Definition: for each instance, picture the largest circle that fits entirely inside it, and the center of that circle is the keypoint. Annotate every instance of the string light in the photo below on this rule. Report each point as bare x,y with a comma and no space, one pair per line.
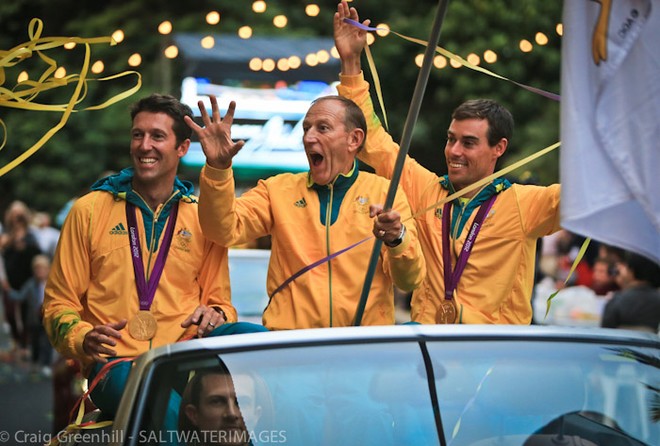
473,59
255,64
312,10
383,29
541,38
323,56
283,64
118,36
526,46
165,27
295,62
438,61
280,21
259,6
98,67
59,73
490,56
135,60
311,60
171,52
70,45
22,77
268,65
208,42
245,32
213,18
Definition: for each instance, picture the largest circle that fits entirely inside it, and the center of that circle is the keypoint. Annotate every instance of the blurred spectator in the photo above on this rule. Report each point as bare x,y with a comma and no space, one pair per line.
602,277
637,305
612,253
4,294
568,246
46,235
18,246
32,294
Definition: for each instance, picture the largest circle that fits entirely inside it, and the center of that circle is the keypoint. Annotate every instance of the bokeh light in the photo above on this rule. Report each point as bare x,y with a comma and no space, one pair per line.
165,27
213,18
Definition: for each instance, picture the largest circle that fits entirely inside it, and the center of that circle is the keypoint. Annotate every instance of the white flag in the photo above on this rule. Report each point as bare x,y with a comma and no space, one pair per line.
610,122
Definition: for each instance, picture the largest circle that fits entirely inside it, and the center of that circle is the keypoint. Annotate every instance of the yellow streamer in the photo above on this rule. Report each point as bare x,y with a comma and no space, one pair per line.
577,260
489,178
24,94
379,91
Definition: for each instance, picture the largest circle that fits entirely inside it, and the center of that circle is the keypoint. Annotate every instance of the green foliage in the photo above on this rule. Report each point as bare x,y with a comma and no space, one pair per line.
97,141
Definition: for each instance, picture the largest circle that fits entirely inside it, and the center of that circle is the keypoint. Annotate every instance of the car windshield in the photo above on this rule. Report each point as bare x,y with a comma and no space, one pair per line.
449,392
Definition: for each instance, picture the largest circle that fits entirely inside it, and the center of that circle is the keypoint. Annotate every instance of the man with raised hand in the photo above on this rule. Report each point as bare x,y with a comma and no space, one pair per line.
480,248
311,216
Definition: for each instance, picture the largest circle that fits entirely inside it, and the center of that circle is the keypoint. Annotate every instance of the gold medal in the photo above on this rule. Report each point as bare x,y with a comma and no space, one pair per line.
142,326
447,312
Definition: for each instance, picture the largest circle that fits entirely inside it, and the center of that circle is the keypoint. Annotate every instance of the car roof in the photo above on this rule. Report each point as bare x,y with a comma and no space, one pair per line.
398,333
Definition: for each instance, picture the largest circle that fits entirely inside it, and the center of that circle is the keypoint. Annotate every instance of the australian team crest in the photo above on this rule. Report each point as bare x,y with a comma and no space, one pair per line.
362,204
183,237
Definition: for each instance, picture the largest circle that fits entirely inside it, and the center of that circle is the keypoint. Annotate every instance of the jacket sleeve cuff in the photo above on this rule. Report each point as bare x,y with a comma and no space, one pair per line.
78,340
352,80
214,174
401,247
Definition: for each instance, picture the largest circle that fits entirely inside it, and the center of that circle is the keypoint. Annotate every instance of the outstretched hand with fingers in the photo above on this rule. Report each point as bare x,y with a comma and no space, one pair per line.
349,39
215,136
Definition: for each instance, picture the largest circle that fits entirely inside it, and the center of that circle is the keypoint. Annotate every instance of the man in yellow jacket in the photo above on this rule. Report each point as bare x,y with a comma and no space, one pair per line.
479,249
311,216
133,270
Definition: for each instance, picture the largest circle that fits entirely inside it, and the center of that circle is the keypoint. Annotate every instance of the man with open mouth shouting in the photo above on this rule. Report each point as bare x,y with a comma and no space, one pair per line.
311,216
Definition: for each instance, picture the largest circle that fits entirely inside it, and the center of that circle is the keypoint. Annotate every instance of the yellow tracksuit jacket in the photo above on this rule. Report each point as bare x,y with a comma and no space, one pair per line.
285,207
496,285
92,280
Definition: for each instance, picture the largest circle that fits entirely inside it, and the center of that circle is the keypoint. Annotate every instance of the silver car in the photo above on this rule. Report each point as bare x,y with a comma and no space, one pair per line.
396,385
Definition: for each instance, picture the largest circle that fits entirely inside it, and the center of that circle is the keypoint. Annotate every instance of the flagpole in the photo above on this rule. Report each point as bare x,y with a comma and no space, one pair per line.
409,125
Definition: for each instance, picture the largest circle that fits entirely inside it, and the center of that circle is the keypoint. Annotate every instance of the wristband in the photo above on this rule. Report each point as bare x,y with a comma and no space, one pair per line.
398,240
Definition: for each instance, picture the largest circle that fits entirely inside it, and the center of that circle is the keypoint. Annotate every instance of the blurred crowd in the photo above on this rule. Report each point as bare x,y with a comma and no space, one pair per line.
27,244
607,286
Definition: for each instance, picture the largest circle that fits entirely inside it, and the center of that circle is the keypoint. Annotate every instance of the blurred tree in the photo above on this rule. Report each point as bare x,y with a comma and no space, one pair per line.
97,141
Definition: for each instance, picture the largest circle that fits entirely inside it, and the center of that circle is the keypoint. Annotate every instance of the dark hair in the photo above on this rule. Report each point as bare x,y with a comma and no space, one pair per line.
353,116
642,268
192,394
500,121
171,106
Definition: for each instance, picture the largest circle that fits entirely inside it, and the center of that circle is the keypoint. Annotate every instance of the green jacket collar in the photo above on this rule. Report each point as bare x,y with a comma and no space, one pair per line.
465,210
120,186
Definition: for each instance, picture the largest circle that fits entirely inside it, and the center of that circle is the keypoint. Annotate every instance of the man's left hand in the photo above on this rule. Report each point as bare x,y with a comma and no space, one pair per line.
208,318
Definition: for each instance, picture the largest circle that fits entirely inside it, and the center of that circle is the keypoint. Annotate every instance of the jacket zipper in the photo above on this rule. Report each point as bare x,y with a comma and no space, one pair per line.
328,221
